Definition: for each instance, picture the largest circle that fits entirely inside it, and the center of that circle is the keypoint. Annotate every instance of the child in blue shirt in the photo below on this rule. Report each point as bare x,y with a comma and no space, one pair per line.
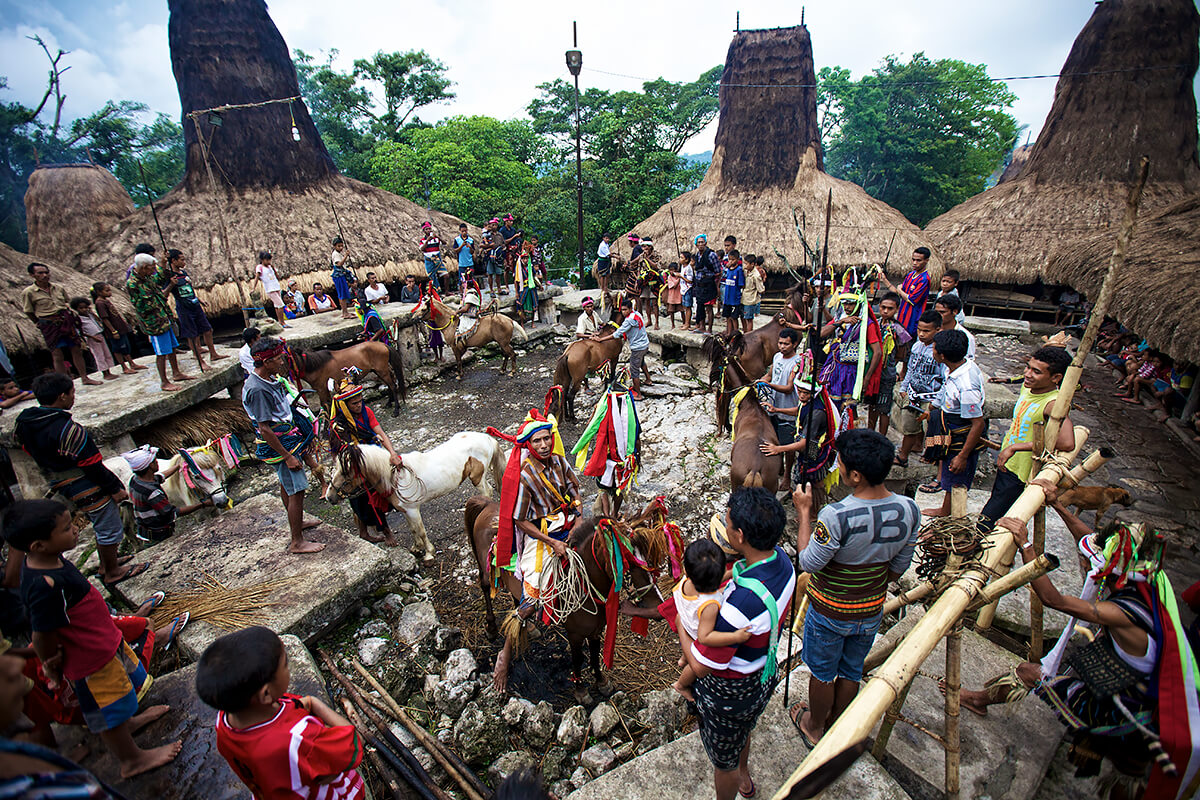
731,296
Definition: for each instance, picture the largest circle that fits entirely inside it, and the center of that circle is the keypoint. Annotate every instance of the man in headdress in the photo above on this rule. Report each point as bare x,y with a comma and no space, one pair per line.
539,503
1140,653
352,422
284,434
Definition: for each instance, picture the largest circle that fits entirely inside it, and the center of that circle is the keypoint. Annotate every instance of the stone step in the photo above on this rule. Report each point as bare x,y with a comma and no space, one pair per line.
198,770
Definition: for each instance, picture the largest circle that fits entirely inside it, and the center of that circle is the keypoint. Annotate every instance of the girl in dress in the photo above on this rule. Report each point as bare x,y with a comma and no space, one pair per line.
93,335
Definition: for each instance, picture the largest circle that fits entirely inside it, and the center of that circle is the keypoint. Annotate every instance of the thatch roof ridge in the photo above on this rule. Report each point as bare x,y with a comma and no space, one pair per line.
1164,253
18,333
1106,115
381,231
68,205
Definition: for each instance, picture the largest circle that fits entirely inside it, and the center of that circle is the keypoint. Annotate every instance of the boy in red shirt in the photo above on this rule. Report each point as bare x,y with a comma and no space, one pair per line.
280,745
76,639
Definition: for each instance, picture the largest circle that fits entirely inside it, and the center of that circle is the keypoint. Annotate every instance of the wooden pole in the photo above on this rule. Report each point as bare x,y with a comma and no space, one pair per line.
381,769
890,718
856,722
953,684
1036,611
918,592
1022,575
1071,380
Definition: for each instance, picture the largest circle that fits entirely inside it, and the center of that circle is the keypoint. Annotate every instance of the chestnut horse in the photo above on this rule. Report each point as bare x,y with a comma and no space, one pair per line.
321,367
756,348
580,358
592,540
751,426
492,327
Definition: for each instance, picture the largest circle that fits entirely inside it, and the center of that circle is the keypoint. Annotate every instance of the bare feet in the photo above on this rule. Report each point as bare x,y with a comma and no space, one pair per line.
151,759
372,538
90,382
302,547
390,539
934,512
183,376
139,721
309,524
216,357
686,691
170,387
128,371
108,376
205,367
139,367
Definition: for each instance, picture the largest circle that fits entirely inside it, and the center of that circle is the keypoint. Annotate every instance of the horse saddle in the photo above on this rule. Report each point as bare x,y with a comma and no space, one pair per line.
466,327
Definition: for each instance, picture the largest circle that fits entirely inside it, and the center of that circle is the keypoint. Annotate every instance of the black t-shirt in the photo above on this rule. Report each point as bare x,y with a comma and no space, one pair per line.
48,604
183,291
507,233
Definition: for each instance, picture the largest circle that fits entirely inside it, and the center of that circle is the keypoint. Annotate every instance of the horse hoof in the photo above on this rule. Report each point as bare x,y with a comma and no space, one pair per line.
583,697
607,688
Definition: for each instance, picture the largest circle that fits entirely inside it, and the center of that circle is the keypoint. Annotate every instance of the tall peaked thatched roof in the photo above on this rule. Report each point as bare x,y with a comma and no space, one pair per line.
265,191
1164,254
68,205
18,333
1126,91
768,161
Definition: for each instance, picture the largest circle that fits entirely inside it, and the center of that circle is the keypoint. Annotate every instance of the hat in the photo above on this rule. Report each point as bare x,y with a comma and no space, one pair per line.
508,217
716,532
700,236
471,296
140,458
633,237
276,349
349,390
647,243
426,225
493,219
588,302
142,259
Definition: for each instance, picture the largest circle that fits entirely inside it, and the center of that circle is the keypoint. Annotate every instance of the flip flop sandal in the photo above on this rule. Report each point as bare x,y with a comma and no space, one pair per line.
930,487
900,462
155,600
177,625
132,572
796,721
753,790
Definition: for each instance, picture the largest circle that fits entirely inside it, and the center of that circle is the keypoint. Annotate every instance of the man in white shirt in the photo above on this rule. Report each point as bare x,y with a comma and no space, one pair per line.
949,305
375,291
588,323
249,336
604,263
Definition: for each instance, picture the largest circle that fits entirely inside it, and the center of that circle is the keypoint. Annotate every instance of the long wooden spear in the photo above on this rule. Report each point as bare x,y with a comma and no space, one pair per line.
153,211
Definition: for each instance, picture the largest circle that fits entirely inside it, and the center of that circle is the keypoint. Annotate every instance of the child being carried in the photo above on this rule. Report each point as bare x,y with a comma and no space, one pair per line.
698,600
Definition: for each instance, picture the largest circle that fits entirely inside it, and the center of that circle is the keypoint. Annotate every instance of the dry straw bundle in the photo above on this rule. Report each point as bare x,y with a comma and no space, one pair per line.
194,426
69,205
228,608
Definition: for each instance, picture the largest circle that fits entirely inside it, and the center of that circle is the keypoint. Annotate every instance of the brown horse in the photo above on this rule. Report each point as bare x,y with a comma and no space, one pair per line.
492,327
321,367
748,466
590,539
580,358
754,349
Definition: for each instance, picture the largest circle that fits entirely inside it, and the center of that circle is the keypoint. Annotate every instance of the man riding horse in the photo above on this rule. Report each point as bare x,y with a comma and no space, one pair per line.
539,503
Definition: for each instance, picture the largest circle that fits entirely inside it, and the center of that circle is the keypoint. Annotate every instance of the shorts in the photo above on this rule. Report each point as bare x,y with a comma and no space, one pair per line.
106,522
192,320
1161,385
1005,490
110,695
293,481
730,311
951,480
341,287
837,648
604,267
785,429
882,402
636,359
750,311
119,344
494,267
687,299
729,708
908,420
164,343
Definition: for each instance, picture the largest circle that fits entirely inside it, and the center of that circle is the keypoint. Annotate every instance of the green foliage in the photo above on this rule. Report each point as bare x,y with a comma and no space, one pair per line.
922,136
409,81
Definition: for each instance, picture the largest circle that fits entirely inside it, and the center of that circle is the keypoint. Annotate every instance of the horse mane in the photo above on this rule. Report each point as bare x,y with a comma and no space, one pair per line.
725,397
313,360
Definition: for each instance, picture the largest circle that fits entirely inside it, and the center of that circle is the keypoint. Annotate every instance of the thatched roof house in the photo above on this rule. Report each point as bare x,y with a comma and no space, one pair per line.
248,185
69,205
1126,91
18,333
1164,253
768,160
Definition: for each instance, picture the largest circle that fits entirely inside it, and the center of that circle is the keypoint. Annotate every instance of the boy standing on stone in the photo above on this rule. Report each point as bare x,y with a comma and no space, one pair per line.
859,545
76,639
278,744
923,377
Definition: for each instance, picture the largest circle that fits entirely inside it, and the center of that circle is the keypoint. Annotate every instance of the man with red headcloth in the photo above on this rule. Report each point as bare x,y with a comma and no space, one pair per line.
539,503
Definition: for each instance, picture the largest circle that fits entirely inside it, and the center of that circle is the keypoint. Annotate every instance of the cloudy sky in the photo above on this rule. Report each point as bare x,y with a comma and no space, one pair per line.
497,53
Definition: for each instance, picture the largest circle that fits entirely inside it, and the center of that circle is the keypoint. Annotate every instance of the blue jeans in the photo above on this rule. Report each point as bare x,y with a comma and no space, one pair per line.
837,648
292,480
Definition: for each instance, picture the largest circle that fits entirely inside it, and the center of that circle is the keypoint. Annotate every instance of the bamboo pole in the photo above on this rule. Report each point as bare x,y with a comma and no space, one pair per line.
890,718
1036,611
384,771
1062,404
953,685
913,595
446,759
855,723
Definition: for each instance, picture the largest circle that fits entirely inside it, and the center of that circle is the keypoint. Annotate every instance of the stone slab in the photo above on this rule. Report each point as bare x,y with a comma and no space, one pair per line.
680,769
1004,755
1003,327
199,770
247,546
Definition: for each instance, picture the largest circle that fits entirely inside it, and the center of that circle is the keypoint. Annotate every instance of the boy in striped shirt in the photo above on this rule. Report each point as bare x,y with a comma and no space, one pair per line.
280,745
859,545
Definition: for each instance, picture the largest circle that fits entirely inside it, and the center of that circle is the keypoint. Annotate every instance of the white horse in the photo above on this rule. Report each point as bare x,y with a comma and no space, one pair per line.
190,484
424,476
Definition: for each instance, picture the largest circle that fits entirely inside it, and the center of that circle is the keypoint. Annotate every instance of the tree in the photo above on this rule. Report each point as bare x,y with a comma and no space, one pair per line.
922,136
341,110
409,81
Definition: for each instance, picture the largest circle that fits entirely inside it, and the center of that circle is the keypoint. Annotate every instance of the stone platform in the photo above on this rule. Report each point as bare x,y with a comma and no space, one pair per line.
247,546
680,770
198,770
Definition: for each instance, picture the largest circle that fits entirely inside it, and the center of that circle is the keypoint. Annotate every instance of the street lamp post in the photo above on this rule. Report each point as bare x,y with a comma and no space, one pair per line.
575,64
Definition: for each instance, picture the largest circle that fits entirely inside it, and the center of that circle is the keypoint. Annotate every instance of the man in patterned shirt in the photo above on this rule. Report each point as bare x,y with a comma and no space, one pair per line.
956,422
148,289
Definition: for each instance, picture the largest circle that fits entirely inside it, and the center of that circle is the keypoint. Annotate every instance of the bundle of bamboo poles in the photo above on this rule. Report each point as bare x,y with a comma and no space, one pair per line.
391,759
891,680
228,608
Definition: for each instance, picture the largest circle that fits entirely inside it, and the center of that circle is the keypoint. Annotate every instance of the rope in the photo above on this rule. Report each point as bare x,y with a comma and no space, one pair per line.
1062,462
570,588
232,106
947,546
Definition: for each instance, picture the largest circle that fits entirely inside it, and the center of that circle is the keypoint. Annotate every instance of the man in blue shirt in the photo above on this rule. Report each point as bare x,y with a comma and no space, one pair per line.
632,330
464,248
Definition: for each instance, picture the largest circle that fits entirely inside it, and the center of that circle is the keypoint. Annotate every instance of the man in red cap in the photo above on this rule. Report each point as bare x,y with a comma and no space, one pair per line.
539,503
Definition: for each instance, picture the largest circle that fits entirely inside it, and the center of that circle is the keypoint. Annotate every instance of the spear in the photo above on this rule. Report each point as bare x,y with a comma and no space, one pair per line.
879,273
150,202
802,456
342,236
678,255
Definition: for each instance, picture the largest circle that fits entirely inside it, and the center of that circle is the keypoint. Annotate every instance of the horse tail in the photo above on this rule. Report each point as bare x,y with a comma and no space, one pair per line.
753,478
396,362
563,382
523,336
723,399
